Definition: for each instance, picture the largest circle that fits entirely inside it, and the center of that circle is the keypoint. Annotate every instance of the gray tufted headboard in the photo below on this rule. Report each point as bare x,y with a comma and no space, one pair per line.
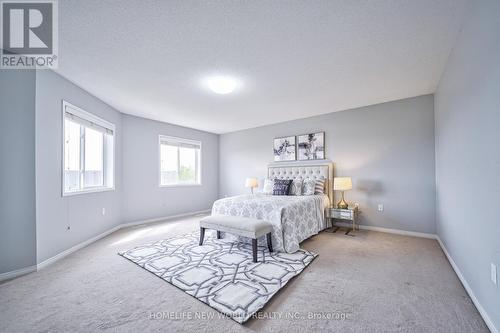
304,171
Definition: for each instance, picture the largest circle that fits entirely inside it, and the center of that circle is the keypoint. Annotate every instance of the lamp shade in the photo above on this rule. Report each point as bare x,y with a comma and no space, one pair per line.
251,182
342,183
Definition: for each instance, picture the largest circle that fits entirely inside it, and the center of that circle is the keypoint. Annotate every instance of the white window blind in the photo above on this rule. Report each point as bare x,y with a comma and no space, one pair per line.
87,123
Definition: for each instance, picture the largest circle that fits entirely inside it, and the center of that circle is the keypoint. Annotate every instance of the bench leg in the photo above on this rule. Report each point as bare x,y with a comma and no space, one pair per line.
254,249
202,235
218,234
269,242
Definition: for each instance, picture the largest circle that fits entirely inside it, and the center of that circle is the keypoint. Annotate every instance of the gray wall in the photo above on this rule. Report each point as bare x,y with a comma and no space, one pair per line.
388,150
83,212
142,196
137,195
467,109
17,170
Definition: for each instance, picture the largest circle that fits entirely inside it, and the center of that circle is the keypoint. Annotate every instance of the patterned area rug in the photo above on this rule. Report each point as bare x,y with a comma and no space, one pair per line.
221,273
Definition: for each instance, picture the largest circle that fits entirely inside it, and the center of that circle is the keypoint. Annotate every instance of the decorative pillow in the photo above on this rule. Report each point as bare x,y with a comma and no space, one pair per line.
308,187
319,188
268,186
296,188
282,186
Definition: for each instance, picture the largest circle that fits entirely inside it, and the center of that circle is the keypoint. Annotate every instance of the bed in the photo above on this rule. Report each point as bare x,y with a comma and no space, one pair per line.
294,218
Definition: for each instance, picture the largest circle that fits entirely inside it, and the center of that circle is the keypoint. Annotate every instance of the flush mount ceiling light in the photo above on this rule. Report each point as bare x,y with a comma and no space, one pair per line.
221,84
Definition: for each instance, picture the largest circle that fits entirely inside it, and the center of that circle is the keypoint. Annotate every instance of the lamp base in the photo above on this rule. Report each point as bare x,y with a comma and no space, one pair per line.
342,204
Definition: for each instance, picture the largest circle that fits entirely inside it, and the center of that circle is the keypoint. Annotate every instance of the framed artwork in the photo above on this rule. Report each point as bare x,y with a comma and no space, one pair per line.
311,146
284,149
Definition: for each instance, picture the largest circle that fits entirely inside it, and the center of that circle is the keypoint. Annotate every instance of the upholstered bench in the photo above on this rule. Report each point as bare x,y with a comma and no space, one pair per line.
239,226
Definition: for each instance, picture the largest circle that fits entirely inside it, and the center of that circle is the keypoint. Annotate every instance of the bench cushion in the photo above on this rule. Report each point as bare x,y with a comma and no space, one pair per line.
237,225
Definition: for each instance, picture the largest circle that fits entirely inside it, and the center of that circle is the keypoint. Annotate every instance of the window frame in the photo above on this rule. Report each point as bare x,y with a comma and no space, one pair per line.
79,112
180,140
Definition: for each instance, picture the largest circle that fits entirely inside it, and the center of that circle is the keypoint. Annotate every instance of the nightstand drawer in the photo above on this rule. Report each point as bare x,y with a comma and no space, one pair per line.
341,214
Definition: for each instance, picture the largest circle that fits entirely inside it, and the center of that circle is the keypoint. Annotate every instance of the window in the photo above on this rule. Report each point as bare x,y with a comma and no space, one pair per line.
88,164
179,161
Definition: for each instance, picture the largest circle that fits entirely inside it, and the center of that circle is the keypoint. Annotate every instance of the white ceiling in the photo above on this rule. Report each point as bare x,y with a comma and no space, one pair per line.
295,59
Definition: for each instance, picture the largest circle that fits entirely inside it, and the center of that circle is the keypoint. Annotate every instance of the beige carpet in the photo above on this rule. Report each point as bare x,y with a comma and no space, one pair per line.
373,282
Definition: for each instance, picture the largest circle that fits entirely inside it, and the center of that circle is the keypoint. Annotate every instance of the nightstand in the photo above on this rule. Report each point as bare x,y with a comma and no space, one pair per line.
349,214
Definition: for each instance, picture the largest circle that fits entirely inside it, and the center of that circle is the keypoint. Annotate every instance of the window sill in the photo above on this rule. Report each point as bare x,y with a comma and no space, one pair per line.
94,190
180,185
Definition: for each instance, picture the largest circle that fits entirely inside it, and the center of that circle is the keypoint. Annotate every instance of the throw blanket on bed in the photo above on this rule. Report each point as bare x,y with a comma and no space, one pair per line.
294,218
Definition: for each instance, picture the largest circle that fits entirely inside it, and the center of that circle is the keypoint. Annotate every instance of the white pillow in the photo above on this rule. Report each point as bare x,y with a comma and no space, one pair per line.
268,186
296,188
308,187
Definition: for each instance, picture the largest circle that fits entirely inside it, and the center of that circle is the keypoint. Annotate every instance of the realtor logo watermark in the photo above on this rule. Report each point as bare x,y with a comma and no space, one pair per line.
29,36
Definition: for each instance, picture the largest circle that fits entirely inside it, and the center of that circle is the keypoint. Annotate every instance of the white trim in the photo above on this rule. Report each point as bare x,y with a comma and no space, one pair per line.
199,171
47,262
17,272
182,185
90,190
462,279
65,253
389,230
77,247
158,219
103,123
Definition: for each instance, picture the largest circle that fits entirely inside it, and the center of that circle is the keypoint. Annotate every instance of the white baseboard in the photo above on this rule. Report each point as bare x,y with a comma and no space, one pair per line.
59,256
388,230
75,248
45,263
478,305
461,277
17,272
158,219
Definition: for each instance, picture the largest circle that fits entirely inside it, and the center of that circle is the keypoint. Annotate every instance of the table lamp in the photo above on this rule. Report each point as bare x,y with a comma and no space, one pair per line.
252,183
342,184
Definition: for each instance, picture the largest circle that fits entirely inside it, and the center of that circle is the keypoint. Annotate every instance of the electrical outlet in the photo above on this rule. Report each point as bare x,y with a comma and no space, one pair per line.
356,204
380,207
103,211
493,273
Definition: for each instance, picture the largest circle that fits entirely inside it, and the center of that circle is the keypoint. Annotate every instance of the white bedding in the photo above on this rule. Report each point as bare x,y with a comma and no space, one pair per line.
294,218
